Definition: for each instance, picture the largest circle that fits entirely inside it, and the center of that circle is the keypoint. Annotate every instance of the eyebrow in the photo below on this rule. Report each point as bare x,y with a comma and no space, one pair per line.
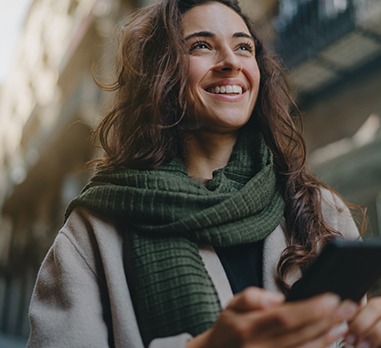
242,34
211,35
199,34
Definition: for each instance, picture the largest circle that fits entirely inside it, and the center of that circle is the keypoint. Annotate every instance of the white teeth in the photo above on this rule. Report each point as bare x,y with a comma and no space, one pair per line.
229,89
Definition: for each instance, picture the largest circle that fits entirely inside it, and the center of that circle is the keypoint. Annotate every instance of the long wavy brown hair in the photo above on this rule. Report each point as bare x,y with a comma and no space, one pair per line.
143,128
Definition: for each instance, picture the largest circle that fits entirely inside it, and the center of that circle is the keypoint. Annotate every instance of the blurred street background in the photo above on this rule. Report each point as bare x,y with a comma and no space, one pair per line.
49,104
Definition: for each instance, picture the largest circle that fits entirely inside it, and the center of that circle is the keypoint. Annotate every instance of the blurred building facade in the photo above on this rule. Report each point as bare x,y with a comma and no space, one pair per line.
50,104
333,51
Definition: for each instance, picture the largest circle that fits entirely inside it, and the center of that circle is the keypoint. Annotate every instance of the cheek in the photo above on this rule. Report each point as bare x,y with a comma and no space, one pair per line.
254,75
194,79
194,73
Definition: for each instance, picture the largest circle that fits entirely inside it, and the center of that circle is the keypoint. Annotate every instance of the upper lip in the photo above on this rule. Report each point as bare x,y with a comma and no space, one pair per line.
227,82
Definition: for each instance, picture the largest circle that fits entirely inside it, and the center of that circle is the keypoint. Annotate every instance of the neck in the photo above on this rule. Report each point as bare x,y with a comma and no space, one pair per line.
206,152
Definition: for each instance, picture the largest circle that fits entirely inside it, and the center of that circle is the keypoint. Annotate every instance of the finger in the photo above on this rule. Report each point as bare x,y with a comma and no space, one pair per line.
304,320
333,335
298,314
326,337
288,324
327,305
347,310
319,334
373,338
254,298
364,322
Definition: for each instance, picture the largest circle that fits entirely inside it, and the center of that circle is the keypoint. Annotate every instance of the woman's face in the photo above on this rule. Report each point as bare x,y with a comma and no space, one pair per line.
223,77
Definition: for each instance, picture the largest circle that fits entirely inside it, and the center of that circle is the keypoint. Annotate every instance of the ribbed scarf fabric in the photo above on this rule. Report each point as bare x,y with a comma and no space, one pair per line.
169,215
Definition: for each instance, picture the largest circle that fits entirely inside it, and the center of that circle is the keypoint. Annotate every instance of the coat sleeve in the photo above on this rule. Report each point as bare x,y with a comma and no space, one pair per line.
66,306
338,215
81,296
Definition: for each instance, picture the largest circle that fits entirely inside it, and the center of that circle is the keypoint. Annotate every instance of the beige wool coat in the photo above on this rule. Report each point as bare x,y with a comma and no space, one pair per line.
81,297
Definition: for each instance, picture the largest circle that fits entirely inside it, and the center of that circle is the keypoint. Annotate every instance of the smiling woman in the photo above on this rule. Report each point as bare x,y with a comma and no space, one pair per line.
201,213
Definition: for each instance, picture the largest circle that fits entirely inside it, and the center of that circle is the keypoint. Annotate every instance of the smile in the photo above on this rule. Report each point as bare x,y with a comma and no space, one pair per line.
229,89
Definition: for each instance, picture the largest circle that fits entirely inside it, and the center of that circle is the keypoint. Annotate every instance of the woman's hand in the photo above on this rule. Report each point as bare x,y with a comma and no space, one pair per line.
258,318
365,328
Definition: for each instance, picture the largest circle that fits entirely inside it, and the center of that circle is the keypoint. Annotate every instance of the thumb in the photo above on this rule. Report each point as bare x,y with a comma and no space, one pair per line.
254,298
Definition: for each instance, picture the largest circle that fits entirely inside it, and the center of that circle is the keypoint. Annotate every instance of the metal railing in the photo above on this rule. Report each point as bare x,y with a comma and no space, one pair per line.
304,27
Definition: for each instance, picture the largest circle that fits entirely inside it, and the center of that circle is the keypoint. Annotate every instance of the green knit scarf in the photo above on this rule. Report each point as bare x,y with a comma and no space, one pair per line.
169,215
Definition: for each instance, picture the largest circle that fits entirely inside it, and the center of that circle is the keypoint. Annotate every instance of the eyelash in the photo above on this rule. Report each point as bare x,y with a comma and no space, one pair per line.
199,43
248,46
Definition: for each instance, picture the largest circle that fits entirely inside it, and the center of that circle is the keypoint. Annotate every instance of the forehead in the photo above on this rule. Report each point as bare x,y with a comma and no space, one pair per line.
214,17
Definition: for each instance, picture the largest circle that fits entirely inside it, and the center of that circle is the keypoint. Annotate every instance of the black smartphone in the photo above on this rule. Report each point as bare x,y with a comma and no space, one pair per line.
346,268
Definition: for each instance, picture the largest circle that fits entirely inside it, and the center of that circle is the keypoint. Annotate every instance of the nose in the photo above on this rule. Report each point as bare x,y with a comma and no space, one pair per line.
228,61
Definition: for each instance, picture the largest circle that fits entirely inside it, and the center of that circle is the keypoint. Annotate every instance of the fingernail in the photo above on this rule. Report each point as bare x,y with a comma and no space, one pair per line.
338,331
331,300
347,310
272,299
350,339
363,344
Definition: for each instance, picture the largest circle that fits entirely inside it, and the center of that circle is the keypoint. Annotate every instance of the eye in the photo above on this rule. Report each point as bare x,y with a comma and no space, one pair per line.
200,45
246,46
